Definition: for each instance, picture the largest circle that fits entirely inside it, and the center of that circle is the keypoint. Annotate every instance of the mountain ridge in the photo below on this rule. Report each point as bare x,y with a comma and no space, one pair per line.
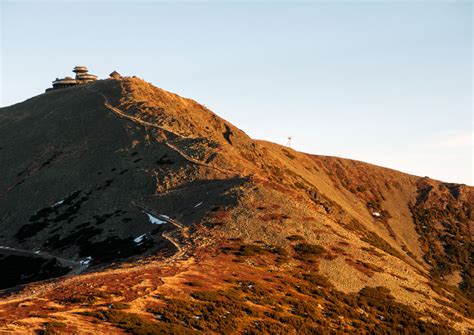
90,170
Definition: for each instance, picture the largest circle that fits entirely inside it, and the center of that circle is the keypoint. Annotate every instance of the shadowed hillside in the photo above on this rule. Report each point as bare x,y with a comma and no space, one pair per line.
168,219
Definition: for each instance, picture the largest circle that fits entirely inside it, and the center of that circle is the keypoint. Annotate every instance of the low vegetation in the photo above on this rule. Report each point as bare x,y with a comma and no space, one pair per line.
444,229
308,304
308,252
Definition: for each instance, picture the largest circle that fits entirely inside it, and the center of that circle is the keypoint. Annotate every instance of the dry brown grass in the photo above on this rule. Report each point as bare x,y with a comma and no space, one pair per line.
257,254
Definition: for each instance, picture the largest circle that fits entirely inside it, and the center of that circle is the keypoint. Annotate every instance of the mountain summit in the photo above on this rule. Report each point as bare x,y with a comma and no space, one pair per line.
156,216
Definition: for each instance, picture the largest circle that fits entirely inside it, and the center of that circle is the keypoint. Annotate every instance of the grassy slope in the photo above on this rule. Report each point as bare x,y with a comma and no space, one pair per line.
284,196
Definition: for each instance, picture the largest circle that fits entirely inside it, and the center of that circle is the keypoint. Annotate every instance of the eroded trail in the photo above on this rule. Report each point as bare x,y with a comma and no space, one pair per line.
120,113
180,238
178,235
41,288
20,263
21,252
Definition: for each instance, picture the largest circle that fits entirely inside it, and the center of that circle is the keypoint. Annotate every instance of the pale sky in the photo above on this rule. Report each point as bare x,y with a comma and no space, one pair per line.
386,82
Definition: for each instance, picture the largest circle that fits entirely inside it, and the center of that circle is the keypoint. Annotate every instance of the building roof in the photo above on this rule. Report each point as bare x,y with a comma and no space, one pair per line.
80,68
66,80
81,77
115,75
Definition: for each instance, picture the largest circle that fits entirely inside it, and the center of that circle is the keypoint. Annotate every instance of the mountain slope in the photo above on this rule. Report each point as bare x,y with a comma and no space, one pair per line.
194,215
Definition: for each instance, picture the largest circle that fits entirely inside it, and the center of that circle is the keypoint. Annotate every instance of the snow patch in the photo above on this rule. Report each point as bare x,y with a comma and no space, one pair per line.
199,204
59,203
155,220
86,261
376,214
139,239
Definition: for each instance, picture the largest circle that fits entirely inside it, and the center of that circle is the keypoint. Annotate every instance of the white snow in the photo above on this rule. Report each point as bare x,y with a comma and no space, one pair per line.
199,204
155,220
86,261
60,202
376,214
164,216
37,251
139,239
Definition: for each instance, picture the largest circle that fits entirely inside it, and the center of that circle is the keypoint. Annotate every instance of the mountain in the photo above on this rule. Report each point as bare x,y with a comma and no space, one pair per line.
127,208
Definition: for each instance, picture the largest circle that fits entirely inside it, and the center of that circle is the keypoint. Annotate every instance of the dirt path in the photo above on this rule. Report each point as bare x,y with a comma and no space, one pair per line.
120,113
179,236
76,266
40,288
182,241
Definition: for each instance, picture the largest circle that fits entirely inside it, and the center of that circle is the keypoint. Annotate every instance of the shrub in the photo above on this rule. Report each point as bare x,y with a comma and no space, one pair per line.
139,325
380,243
279,251
119,305
288,154
55,324
81,299
305,249
193,283
293,238
249,250
314,279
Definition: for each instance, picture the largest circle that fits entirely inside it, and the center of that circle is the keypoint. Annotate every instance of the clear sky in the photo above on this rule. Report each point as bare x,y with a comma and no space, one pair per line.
387,82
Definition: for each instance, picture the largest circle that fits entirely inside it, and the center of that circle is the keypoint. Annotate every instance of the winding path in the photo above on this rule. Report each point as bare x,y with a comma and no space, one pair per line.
182,242
21,252
120,113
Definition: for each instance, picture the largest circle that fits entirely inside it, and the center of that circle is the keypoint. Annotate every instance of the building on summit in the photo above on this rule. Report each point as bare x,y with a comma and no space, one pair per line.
82,77
63,83
115,75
